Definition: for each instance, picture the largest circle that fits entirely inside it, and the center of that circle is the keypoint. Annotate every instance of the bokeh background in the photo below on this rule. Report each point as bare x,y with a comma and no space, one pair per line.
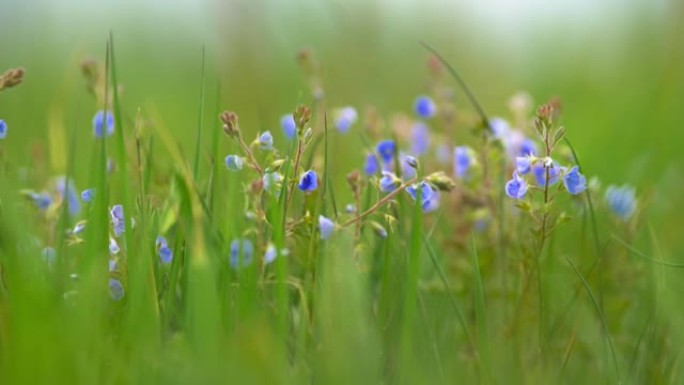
618,67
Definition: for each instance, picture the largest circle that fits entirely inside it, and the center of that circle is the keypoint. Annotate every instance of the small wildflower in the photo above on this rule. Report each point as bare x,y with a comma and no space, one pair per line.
272,182
426,193
3,129
238,248
434,201
379,230
462,161
345,118
539,171
326,227
234,162
574,182
411,161
102,123
41,200
88,195
163,251
116,289
386,150
113,247
271,254
287,122
80,226
112,265
308,182
371,166
266,141
350,208
523,164
49,255
389,182
516,188
622,201
500,128
424,107
116,215
420,139
230,123
528,147
408,166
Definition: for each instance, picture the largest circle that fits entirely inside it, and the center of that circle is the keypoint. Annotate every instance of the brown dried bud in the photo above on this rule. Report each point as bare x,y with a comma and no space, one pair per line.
230,123
11,78
302,115
353,178
435,66
257,186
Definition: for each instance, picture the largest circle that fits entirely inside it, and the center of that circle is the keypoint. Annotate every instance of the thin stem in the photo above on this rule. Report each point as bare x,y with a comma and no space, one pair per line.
248,152
294,173
379,203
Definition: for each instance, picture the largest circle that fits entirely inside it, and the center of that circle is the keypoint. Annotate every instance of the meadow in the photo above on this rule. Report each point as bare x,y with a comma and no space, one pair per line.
328,192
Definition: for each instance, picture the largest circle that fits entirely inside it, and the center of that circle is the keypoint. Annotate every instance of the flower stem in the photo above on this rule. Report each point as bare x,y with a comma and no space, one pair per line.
379,203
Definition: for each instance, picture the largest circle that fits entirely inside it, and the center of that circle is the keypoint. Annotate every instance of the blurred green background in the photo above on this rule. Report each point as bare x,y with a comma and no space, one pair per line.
618,67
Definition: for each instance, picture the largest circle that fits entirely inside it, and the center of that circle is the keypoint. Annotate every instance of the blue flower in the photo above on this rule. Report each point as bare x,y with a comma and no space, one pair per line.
516,188
241,248
500,128
49,255
350,208
234,163
116,289
371,166
346,117
462,161
88,195
386,150
523,165
163,251
308,182
113,247
289,125
99,122
112,264
424,107
408,166
622,201
326,227
434,202
528,147
266,141
539,171
272,182
67,191
116,215
389,182
80,226
3,129
271,254
574,182
41,200
426,193
420,139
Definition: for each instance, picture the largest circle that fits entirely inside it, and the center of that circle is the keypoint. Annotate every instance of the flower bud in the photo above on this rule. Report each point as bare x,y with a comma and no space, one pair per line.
230,123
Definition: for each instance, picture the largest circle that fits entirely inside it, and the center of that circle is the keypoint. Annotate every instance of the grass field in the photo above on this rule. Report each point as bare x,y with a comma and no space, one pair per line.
265,276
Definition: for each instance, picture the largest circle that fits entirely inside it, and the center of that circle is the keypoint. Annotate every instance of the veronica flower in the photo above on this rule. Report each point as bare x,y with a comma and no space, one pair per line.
463,160
523,164
500,128
3,129
163,251
308,182
113,247
41,200
424,107
266,141
371,166
528,147
112,264
88,195
539,171
238,248
272,182
289,125
67,191
426,193
574,182
386,150
433,204
420,139
516,188
622,201
116,215
389,182
345,118
408,166
103,125
116,289
350,208
234,162
80,226
326,227
271,254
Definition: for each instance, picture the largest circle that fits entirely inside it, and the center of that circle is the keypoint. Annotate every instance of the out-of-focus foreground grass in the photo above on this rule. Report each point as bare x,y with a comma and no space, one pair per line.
616,67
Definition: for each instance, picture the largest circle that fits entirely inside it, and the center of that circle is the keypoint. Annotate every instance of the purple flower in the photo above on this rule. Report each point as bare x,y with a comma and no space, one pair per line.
41,200
539,171
116,289
408,166
389,182
622,201
500,128
371,166
326,227
462,161
424,107
116,215
420,139
426,193
574,182
266,141
308,182
289,125
516,188
3,129
163,251
234,163
103,125
523,165
528,147
386,150
88,195
346,117
241,249
271,254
